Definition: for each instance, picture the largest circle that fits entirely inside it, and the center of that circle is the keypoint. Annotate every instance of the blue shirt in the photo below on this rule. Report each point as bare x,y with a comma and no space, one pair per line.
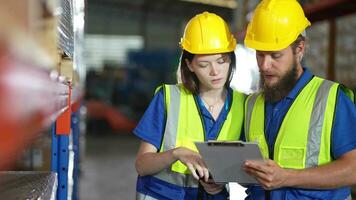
343,133
151,129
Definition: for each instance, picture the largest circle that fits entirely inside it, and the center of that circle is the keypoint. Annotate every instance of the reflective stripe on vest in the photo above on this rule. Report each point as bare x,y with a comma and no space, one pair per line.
258,127
184,126
140,196
304,136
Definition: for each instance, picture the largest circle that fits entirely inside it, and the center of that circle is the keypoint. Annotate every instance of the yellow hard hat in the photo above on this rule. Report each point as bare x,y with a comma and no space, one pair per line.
207,33
275,25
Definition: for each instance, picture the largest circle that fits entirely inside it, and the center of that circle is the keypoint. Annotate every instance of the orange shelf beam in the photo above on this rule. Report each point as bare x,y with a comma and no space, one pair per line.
329,9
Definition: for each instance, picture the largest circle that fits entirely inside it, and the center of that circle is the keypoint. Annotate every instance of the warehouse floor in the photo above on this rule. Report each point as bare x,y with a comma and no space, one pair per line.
108,167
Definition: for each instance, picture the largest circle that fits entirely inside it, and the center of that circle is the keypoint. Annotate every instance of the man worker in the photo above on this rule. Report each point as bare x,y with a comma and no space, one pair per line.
305,125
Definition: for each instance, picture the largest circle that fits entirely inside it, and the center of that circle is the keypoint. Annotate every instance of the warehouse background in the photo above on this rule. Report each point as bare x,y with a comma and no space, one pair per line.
129,48
138,40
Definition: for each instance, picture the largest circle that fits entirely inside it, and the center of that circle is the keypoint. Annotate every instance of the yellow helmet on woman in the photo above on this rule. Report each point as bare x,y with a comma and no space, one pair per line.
207,33
275,25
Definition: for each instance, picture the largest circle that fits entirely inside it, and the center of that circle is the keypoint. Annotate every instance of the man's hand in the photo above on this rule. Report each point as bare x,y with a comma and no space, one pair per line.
267,172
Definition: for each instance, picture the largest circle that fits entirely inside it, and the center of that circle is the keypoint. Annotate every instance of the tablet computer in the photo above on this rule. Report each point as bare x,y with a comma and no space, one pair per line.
226,158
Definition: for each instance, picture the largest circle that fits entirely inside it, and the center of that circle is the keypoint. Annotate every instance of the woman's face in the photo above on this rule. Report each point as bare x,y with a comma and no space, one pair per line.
210,69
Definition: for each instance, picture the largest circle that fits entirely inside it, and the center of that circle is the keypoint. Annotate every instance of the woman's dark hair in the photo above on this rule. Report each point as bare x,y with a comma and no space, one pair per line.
190,80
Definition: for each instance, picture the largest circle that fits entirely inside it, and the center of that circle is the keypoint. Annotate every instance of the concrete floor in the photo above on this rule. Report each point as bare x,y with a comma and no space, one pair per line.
108,167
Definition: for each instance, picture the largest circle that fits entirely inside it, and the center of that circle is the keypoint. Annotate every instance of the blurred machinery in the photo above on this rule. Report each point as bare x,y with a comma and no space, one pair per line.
117,96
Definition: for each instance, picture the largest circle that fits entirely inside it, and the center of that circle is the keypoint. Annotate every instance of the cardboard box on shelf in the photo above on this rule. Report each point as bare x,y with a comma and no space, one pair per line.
37,157
47,37
66,69
19,15
31,24
28,16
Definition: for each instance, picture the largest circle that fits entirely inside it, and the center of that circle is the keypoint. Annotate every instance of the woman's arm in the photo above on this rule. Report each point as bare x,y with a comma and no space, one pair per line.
149,162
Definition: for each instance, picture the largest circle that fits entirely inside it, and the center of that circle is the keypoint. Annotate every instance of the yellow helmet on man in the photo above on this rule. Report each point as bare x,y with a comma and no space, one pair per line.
207,33
275,25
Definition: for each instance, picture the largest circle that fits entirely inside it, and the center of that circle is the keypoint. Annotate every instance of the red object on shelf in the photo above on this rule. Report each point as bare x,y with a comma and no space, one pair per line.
329,9
29,101
63,120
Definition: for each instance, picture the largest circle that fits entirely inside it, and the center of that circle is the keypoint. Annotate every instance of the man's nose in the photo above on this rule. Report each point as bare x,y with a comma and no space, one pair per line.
264,63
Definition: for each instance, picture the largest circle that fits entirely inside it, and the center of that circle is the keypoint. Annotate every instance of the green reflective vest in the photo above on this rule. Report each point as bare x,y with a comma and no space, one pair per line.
349,93
304,136
184,126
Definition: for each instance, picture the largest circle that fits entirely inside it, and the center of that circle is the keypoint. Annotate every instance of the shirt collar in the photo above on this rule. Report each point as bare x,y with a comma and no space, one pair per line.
303,80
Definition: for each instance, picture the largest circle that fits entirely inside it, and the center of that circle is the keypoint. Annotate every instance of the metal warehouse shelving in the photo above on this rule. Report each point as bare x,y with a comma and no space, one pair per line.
329,10
29,106
36,95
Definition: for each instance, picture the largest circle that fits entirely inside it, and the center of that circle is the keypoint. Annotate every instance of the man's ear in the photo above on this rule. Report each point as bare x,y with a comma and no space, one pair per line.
300,50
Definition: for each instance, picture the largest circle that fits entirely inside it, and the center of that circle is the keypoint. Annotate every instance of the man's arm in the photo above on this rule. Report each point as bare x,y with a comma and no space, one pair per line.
338,173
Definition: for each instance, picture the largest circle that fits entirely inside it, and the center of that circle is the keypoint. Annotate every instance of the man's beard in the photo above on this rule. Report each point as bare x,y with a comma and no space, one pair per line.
282,88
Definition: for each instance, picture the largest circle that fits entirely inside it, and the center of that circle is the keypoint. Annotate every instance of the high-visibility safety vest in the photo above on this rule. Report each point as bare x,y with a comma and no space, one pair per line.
184,126
304,137
350,93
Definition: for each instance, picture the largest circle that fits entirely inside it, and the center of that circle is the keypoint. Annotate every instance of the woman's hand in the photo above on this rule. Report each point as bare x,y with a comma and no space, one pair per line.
193,161
211,187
